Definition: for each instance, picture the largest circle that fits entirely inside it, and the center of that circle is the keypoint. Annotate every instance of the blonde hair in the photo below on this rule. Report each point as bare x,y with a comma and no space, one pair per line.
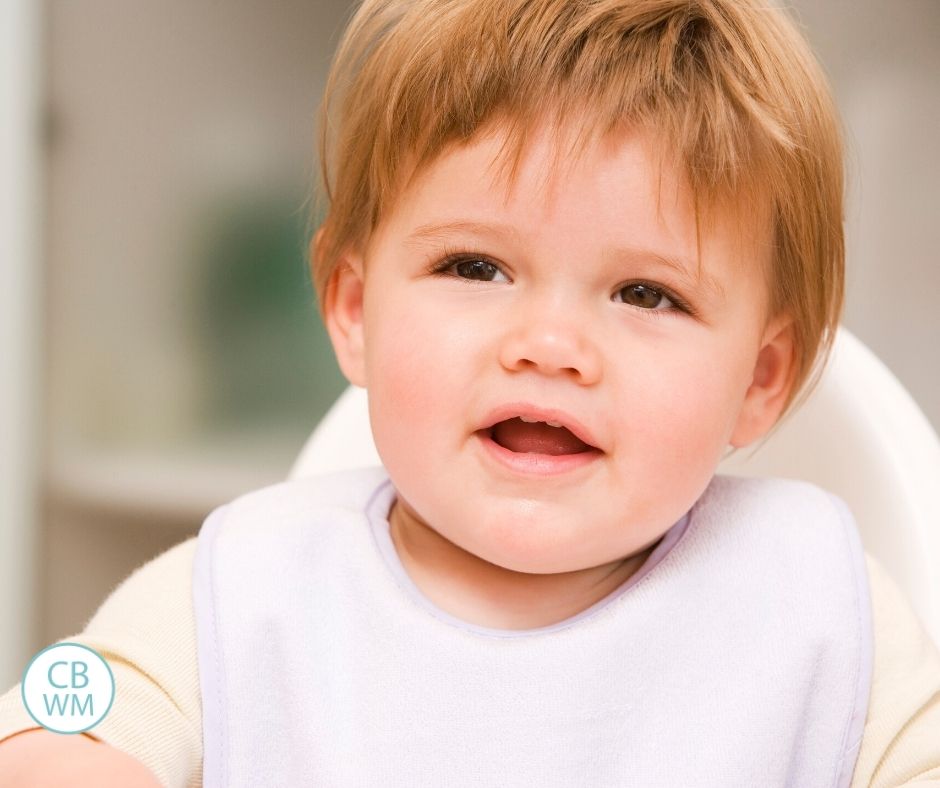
730,87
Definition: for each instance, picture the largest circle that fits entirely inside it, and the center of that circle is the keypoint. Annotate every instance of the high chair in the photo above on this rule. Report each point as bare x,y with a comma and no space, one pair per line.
859,435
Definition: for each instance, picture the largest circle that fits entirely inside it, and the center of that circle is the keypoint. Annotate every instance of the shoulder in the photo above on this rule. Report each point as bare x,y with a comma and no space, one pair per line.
348,489
160,587
305,511
773,491
147,625
900,740
792,511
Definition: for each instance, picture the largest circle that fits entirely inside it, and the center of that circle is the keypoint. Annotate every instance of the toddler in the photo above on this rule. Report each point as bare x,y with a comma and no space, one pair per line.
574,251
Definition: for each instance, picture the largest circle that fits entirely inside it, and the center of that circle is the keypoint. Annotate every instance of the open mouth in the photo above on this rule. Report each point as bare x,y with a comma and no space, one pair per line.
536,437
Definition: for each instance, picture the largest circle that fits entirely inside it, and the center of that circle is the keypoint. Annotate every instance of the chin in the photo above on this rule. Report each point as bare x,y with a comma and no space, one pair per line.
525,548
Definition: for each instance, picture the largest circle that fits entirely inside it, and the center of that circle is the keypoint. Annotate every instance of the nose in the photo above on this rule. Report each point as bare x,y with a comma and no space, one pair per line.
552,346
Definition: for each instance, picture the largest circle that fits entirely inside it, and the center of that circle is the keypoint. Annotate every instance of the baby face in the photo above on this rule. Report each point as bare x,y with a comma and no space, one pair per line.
577,304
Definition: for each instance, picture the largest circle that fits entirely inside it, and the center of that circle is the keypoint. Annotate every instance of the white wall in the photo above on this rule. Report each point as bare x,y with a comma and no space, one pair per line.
19,332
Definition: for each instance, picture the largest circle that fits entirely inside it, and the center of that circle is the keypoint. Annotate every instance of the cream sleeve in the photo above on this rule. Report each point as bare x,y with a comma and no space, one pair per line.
901,743
146,631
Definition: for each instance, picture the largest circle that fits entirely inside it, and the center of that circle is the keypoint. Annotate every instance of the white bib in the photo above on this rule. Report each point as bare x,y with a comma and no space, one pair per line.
740,654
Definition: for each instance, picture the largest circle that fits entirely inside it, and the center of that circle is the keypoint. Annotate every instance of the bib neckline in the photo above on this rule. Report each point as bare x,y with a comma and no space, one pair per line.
377,511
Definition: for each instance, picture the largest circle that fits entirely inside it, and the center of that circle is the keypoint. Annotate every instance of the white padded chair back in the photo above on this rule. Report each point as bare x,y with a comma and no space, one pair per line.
860,435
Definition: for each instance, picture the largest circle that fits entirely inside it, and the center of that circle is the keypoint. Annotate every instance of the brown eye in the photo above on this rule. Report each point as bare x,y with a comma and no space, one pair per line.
644,297
470,268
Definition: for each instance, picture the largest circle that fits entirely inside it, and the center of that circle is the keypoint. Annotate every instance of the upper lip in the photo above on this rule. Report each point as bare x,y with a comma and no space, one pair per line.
513,409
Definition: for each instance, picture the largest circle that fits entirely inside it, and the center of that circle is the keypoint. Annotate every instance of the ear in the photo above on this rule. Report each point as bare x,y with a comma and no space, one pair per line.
342,315
773,377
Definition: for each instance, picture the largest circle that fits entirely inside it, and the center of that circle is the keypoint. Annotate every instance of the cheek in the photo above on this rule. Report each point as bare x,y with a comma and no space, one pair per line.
713,403
424,351
683,406
416,373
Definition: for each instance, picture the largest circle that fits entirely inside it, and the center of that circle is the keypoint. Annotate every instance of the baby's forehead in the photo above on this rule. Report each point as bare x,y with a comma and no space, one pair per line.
481,175
503,147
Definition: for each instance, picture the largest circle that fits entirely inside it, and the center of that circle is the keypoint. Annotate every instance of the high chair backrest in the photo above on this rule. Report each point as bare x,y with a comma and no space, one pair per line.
860,436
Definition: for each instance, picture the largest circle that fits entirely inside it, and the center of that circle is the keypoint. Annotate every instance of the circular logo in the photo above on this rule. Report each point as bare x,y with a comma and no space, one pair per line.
68,688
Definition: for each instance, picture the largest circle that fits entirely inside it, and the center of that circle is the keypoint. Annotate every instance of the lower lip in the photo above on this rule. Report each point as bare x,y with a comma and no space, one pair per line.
535,464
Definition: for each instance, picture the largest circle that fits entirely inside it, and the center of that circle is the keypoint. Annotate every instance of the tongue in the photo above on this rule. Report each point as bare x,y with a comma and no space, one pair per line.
537,438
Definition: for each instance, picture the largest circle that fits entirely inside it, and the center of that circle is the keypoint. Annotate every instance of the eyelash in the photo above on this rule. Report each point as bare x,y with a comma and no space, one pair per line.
452,257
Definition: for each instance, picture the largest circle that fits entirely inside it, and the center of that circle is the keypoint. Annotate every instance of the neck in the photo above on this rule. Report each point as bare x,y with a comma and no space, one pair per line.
481,593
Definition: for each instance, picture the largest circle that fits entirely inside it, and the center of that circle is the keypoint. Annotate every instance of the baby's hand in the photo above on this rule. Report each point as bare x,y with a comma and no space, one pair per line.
38,758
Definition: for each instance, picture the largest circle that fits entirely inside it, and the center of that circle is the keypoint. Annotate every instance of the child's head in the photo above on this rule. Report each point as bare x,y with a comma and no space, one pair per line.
662,260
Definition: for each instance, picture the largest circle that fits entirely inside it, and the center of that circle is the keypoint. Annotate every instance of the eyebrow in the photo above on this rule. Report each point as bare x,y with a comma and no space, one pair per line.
437,231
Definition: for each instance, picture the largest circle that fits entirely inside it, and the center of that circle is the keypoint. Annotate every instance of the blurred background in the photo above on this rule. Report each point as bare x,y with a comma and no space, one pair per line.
160,347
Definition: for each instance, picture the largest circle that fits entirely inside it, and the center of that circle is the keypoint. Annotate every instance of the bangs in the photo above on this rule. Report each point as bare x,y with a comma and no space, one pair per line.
457,67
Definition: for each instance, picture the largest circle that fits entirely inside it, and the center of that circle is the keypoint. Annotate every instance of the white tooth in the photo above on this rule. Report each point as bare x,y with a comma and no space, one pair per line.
528,421
553,424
